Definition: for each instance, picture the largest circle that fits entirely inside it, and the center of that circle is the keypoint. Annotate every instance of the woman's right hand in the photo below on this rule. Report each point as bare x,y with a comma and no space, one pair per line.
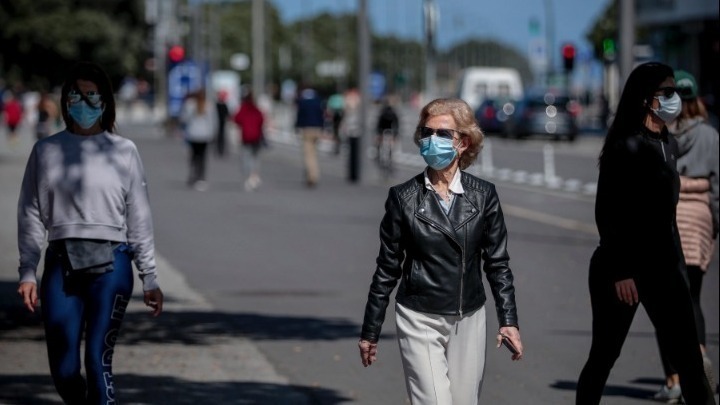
626,291
368,352
28,292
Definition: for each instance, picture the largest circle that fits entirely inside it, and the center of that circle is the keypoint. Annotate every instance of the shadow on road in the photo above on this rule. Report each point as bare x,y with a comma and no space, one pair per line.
620,391
143,389
190,328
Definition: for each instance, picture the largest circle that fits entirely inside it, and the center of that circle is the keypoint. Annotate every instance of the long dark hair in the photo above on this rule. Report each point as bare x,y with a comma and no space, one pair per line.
94,73
635,101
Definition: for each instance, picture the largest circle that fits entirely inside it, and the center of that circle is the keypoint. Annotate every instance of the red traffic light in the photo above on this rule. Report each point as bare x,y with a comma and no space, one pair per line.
568,54
176,53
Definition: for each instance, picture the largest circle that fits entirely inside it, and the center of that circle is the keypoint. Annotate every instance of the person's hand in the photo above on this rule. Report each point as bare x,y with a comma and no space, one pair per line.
154,300
626,291
368,352
28,292
513,334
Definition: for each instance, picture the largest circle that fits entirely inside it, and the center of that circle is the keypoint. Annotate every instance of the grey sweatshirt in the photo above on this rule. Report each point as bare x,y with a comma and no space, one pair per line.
92,187
698,143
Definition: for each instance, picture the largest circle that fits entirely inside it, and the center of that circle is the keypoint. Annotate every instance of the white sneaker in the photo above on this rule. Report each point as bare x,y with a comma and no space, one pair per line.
707,365
669,395
200,185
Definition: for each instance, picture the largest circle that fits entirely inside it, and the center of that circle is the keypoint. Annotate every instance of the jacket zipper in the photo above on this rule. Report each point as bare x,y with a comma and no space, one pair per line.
462,277
662,146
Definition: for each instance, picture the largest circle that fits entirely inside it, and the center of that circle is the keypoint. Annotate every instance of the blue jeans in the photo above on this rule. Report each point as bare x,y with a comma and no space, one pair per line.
89,304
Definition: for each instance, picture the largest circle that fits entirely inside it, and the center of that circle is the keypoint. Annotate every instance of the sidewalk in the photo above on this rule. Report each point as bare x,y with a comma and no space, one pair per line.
157,360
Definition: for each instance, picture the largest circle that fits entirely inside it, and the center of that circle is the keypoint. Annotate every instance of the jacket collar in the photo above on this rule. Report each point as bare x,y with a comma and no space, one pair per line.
429,210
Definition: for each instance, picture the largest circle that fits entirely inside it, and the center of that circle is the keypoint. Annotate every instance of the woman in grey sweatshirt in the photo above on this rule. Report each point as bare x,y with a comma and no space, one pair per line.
84,189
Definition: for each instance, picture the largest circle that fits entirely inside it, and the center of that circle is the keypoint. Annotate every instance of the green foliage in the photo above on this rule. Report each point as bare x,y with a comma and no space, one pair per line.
41,39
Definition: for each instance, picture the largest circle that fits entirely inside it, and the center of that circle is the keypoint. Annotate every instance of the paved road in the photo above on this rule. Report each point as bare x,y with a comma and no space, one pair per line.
269,288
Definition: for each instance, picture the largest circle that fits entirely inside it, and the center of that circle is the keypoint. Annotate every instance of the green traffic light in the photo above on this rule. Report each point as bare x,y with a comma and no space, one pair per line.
608,46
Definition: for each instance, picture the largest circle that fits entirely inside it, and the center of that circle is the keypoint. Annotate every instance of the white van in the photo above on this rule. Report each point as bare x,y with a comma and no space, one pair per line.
478,83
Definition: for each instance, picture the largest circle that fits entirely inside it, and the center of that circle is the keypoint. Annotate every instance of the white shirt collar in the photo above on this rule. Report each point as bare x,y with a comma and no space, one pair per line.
455,186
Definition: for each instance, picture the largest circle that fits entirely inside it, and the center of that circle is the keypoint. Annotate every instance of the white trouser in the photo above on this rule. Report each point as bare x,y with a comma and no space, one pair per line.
443,356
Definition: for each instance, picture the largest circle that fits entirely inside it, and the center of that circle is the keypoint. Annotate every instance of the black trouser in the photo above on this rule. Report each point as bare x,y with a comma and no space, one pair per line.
695,276
220,139
197,161
666,299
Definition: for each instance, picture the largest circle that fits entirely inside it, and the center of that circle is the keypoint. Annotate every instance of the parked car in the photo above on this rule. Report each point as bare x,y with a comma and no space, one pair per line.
493,114
546,113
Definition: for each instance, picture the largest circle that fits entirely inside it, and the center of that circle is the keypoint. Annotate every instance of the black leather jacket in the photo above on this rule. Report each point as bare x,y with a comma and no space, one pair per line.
438,257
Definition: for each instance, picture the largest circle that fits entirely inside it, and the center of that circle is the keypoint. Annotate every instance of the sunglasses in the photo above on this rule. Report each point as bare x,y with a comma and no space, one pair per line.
440,132
92,97
667,91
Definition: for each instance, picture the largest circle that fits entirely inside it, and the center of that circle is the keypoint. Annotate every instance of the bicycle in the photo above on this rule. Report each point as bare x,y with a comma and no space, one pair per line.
386,144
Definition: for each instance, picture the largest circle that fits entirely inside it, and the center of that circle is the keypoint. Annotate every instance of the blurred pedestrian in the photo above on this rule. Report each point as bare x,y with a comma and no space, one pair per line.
387,127
335,112
697,211
223,113
639,258
250,121
48,115
199,121
436,228
84,190
13,115
310,121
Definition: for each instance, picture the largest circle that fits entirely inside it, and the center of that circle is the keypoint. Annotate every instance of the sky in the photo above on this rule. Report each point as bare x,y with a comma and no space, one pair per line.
506,21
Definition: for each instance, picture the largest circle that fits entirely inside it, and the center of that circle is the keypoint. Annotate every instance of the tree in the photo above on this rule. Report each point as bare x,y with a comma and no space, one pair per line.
605,29
41,39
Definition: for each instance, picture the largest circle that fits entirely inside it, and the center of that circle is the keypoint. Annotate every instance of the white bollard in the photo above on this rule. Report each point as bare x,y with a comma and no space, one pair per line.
551,179
486,155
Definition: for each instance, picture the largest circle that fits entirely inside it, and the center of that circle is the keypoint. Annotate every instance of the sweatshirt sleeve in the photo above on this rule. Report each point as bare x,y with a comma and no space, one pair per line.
30,227
714,186
139,223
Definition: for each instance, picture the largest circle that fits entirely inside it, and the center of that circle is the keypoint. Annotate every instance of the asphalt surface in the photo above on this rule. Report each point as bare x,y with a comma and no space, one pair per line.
235,336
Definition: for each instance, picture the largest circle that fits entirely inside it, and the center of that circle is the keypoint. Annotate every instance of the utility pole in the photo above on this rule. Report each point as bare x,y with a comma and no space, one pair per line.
364,72
430,17
550,38
258,47
626,38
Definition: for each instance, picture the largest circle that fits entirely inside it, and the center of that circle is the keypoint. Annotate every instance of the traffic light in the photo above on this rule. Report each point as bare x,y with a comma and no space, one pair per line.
608,49
568,54
176,54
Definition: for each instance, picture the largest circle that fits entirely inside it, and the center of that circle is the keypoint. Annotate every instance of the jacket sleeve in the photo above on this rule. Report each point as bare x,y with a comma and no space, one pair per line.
388,270
496,261
30,227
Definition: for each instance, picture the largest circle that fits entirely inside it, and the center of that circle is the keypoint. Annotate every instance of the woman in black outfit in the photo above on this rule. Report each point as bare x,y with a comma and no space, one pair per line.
639,257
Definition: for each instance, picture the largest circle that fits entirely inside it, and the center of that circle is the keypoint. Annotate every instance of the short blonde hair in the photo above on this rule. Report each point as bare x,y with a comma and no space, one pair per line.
467,125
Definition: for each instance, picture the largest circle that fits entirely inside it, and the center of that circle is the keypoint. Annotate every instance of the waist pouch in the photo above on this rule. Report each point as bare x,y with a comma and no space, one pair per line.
88,255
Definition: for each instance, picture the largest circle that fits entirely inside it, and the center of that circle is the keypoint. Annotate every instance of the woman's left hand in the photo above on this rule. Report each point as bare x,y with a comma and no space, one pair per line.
154,299
513,334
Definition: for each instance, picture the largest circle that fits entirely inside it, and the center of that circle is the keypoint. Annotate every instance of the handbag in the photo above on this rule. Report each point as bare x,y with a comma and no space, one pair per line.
89,255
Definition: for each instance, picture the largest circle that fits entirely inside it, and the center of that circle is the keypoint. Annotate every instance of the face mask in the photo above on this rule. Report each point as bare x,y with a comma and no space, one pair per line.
84,115
437,152
669,107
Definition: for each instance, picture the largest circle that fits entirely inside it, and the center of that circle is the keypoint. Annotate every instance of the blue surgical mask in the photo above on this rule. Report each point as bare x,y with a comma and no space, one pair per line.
669,109
84,115
437,152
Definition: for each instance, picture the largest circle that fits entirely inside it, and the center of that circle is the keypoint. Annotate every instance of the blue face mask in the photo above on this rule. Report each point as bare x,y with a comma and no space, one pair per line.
84,115
437,152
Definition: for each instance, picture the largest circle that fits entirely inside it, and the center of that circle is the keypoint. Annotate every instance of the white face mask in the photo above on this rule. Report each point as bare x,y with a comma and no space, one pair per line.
669,107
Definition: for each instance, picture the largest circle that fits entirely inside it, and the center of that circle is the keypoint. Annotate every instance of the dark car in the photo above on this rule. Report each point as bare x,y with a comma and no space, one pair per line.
492,114
546,113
